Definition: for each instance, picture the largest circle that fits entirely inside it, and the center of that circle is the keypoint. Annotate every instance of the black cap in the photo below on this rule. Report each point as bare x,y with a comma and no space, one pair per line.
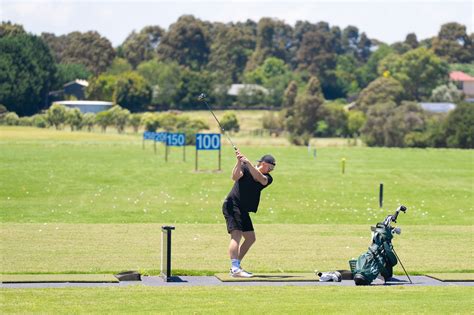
267,159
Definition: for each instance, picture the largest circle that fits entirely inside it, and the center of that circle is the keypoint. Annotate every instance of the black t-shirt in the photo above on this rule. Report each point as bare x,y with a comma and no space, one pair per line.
246,191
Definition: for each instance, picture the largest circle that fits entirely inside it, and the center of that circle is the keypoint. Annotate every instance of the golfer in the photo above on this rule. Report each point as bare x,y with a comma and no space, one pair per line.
244,197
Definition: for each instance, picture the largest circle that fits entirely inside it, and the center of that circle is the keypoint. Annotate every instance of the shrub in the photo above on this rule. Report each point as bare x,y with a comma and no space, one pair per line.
89,121
230,123
56,115
11,119
135,121
40,121
25,121
74,118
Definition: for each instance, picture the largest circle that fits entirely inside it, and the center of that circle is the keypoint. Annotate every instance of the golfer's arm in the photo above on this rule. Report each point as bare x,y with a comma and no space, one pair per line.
237,171
259,177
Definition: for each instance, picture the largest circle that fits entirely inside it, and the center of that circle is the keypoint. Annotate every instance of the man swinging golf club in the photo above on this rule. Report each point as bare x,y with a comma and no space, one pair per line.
244,197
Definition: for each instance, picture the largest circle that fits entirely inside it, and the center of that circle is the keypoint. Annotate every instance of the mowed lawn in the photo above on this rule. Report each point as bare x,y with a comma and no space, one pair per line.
94,203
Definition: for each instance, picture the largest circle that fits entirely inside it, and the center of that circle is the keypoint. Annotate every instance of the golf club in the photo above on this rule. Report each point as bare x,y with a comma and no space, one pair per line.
202,98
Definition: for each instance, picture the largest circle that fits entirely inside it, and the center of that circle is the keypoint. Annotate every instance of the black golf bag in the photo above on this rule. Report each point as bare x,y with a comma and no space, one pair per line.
380,258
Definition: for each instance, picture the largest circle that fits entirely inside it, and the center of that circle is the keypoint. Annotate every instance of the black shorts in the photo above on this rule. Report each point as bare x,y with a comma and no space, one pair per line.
236,218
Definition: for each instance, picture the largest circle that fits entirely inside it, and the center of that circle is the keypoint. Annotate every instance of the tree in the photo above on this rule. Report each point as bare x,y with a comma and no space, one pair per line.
27,72
382,90
120,117
191,86
229,53
89,121
289,97
74,118
10,29
186,42
132,92
355,44
302,118
165,79
355,121
419,71
119,66
90,49
11,119
56,115
447,93
142,46
368,72
104,119
459,129
273,39
135,121
102,87
229,122
453,43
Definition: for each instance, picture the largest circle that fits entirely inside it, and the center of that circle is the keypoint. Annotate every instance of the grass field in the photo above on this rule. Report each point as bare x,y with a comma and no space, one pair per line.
94,203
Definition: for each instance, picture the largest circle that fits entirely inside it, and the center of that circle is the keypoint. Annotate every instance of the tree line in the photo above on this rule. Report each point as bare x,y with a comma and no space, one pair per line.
301,66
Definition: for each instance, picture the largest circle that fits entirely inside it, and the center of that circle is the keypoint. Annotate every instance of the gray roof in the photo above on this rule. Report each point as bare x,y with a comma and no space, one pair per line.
84,103
438,107
249,88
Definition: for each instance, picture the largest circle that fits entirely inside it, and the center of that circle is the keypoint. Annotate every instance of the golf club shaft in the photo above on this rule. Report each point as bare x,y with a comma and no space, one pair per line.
401,264
220,126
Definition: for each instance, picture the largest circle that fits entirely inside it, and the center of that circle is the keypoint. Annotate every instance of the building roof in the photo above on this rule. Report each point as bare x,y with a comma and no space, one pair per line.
460,76
236,88
77,81
438,107
85,103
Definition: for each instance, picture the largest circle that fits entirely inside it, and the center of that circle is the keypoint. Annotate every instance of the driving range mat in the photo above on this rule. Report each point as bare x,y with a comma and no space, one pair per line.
269,277
452,277
58,278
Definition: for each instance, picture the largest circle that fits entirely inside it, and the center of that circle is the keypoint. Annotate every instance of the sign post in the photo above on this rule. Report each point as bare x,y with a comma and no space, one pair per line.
175,140
148,135
208,141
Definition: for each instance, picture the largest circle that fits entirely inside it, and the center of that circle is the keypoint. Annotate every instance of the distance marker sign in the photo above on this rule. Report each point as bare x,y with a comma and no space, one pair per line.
208,141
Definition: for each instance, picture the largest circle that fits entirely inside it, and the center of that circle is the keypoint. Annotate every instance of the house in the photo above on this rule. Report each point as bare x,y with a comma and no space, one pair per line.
437,108
76,89
464,82
87,106
250,89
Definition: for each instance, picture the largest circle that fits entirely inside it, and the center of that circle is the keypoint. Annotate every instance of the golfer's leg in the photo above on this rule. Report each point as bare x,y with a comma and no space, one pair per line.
249,239
235,237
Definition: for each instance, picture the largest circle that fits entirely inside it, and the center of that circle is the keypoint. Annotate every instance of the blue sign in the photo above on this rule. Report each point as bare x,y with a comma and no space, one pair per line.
176,139
148,135
208,141
160,136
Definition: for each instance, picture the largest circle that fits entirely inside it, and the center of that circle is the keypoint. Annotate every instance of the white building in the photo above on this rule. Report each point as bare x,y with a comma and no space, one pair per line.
87,106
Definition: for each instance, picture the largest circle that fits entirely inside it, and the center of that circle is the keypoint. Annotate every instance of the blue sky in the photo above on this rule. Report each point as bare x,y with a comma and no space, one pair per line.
386,20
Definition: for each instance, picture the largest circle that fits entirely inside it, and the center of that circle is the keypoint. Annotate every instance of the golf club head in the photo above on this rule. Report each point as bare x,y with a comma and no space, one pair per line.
402,209
202,97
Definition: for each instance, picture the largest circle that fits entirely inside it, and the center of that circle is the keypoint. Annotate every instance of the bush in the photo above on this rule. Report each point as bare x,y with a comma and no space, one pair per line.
417,139
56,115
230,123
459,129
151,121
273,122
104,119
11,119
40,121
135,121
74,118
88,121
120,117
25,121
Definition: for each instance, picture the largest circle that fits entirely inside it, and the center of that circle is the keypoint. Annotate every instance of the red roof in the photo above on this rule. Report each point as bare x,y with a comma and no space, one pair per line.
460,76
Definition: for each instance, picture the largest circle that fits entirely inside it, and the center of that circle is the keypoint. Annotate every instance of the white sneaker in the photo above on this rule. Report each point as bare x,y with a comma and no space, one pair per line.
240,273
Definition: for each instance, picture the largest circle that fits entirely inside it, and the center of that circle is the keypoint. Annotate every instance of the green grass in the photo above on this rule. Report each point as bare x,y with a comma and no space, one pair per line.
29,278
50,176
94,203
452,276
202,248
241,300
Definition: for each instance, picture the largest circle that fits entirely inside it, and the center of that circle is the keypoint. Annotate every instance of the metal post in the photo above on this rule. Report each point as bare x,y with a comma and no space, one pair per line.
343,165
154,145
219,159
196,161
166,252
166,151
184,153
381,195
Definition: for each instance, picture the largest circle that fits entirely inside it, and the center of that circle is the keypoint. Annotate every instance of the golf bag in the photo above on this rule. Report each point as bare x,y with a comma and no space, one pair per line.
380,258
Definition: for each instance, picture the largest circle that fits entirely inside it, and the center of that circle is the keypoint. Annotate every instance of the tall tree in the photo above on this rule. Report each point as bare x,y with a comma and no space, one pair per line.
230,52
382,90
27,72
90,49
142,46
132,92
274,38
10,29
419,71
453,43
186,42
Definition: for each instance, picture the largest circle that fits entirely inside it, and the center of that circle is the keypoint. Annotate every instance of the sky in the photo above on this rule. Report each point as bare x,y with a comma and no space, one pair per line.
385,20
